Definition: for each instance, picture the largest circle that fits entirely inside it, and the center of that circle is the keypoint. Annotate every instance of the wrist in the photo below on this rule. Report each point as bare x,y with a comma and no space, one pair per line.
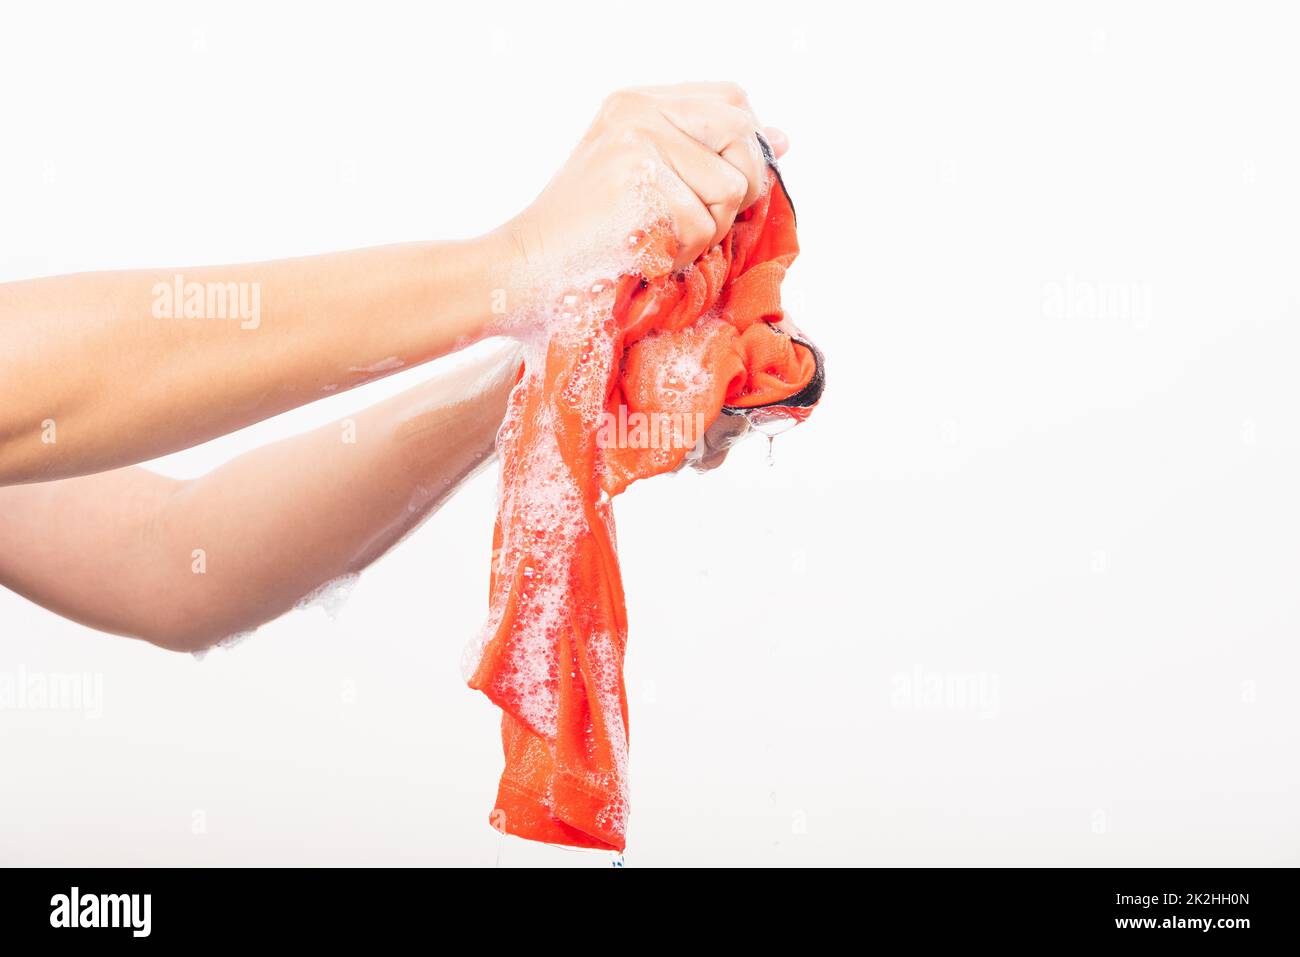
507,253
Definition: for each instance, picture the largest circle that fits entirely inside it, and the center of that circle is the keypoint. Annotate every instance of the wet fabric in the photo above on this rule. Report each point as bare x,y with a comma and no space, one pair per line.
632,371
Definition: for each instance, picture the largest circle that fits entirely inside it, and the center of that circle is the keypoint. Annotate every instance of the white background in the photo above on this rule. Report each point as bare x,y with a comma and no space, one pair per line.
1051,257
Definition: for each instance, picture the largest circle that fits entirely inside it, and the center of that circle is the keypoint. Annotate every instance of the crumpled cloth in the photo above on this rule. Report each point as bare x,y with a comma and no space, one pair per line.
631,375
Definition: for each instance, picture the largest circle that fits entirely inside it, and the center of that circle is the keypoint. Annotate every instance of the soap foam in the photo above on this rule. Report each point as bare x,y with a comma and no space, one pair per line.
543,521
225,644
540,286
568,305
330,597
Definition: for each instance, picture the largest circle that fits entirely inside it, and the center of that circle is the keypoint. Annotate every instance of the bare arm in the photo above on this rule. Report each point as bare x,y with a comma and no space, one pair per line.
101,370
184,564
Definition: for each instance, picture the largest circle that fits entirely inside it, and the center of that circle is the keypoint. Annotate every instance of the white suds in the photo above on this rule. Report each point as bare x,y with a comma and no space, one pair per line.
542,285
225,644
565,312
329,597
391,364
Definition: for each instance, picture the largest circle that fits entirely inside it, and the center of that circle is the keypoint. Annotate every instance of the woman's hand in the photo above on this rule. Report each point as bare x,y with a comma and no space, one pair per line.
693,147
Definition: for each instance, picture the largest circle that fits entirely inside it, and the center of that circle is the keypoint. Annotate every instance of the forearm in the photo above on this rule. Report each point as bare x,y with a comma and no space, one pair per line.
183,564
101,370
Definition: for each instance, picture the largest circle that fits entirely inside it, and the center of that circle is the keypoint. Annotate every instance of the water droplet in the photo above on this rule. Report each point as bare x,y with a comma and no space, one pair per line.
771,421
770,461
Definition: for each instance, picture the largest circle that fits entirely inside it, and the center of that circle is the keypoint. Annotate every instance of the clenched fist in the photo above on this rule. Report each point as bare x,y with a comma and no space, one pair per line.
693,147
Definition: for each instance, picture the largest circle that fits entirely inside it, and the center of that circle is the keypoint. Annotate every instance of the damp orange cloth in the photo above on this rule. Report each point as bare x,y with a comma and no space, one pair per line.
630,377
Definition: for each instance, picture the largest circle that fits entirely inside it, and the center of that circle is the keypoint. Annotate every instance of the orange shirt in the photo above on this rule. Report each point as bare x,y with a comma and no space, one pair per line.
667,352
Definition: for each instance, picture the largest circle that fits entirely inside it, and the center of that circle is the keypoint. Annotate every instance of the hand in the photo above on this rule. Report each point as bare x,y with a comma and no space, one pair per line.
712,448
692,147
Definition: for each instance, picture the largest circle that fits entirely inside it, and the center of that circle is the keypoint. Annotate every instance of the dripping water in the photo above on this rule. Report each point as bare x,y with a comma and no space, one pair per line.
770,423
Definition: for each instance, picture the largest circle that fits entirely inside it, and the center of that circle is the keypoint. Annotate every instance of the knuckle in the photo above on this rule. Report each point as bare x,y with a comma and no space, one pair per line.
623,102
741,126
734,94
696,229
737,188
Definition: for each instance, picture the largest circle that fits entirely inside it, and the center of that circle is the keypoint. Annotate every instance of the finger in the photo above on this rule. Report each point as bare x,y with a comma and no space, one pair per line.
719,446
777,140
718,185
723,433
711,461
725,92
693,224
723,129
726,431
